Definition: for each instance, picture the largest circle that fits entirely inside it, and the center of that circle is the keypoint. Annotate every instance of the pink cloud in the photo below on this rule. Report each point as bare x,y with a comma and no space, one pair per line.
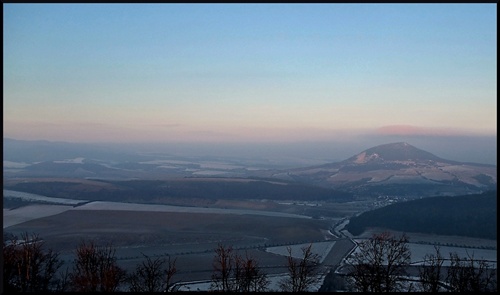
416,130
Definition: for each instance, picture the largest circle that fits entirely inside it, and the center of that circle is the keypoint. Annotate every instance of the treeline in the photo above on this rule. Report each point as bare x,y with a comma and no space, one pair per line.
150,190
380,265
29,267
469,215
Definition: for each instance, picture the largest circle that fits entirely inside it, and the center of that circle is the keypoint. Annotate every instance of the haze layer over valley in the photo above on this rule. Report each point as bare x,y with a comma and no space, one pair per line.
187,205
396,169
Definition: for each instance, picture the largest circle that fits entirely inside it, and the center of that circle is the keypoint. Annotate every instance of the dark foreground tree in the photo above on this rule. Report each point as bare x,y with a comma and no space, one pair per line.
380,263
248,275
95,269
171,271
302,273
233,273
222,269
430,272
153,275
27,267
470,275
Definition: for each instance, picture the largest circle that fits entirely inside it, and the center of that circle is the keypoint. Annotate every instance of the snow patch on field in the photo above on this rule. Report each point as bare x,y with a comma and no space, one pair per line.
73,161
9,164
219,165
168,167
174,162
209,172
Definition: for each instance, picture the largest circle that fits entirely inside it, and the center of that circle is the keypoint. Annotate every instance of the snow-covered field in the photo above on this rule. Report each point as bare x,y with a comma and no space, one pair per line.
321,248
98,205
35,211
59,205
31,212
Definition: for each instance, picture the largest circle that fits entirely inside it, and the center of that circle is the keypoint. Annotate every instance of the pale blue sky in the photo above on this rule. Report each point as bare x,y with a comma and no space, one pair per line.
228,72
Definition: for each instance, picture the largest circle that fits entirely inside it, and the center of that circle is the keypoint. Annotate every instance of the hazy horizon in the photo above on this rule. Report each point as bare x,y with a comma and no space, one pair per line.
475,149
267,74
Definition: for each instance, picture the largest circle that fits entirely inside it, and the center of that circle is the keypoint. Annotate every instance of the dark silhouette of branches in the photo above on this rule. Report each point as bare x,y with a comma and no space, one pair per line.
27,266
147,276
379,266
470,275
380,263
248,275
171,271
233,273
302,273
153,275
95,269
430,273
222,269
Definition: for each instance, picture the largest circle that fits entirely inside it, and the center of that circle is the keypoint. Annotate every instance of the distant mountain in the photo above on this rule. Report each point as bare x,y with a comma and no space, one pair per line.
400,151
398,169
470,215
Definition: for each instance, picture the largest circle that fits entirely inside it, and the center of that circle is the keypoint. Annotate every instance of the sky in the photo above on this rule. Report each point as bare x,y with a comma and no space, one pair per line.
248,72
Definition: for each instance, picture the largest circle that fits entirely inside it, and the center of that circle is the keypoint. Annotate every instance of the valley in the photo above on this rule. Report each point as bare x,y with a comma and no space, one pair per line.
160,205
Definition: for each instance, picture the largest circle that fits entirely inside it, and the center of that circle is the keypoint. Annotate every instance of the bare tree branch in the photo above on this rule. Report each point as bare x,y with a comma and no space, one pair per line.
380,263
302,273
95,269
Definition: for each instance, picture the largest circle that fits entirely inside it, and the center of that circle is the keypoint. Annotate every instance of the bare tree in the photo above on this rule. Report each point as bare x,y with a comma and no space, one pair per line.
248,276
470,275
170,272
302,273
27,266
95,269
430,273
153,275
222,269
148,276
380,263
64,281
233,273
